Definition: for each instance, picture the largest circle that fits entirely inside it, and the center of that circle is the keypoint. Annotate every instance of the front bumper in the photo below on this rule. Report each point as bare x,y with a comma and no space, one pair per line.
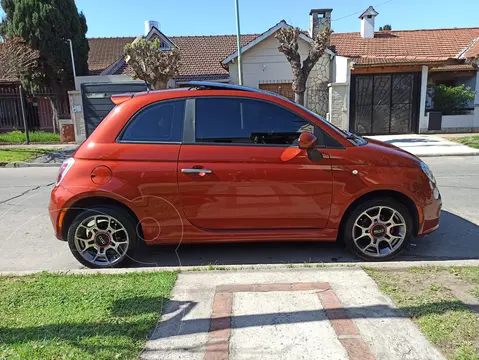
431,213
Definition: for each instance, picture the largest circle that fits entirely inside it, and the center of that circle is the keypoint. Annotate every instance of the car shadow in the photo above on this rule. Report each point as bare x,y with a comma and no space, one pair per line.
456,239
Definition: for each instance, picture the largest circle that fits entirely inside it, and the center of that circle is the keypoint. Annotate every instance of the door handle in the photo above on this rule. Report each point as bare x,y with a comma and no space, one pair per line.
196,171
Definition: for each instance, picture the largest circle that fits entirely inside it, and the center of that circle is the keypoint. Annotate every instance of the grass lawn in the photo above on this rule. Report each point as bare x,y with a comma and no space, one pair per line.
435,299
18,137
97,317
472,141
20,154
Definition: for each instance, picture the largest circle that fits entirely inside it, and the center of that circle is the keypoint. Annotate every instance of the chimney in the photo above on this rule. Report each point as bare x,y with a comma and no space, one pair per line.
149,24
319,19
367,23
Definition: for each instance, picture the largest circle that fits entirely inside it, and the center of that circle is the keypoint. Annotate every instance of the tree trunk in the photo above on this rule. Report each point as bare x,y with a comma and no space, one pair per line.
160,84
299,98
54,113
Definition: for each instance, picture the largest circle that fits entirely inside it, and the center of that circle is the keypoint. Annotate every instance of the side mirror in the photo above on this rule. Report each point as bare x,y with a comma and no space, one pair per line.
307,141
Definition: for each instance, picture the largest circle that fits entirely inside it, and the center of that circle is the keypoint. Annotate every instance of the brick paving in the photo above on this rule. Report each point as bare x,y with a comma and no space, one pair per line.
217,347
283,314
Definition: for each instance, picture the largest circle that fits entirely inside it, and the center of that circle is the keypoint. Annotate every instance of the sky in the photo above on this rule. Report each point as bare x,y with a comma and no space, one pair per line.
111,18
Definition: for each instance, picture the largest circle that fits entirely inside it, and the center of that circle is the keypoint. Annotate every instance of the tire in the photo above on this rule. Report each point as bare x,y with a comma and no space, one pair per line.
387,237
99,230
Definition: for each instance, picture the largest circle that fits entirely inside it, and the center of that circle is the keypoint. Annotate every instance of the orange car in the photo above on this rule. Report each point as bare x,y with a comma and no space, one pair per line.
224,163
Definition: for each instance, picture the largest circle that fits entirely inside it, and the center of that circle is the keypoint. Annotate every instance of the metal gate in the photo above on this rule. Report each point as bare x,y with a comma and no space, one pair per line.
385,103
97,100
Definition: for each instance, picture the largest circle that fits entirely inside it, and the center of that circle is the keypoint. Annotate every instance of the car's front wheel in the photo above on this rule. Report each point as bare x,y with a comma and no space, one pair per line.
102,237
378,229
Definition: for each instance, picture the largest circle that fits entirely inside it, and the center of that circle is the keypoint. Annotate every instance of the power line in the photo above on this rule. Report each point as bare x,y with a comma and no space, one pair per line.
359,12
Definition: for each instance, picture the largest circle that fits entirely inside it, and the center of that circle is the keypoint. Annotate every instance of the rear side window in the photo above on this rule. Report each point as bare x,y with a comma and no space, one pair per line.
246,121
159,122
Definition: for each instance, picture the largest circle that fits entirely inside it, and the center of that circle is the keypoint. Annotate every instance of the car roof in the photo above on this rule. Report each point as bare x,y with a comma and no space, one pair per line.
196,85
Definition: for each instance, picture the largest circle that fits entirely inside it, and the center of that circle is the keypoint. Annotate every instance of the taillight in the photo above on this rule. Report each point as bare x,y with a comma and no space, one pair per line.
66,165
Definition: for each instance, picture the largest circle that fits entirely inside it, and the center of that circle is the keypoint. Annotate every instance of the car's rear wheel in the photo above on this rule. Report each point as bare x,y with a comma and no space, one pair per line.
102,237
378,229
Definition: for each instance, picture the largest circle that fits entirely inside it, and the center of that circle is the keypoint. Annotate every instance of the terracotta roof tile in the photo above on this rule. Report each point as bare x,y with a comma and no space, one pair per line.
423,44
473,51
380,60
104,52
200,55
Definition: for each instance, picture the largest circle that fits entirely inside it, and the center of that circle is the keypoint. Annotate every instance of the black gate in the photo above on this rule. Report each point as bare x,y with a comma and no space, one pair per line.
97,100
385,103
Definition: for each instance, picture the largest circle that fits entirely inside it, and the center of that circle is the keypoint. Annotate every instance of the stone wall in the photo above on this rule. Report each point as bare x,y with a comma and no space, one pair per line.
317,93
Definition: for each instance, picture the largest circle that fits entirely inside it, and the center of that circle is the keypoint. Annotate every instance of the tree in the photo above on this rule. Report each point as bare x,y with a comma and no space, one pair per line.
17,59
45,25
151,64
385,27
288,45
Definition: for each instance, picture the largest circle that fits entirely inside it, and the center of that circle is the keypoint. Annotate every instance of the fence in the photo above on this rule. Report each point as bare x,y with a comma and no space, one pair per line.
37,107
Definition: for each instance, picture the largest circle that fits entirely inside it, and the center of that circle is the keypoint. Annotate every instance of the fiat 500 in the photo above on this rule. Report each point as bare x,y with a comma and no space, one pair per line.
223,163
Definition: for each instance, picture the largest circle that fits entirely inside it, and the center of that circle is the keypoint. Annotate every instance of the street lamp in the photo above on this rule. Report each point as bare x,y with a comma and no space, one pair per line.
238,43
73,60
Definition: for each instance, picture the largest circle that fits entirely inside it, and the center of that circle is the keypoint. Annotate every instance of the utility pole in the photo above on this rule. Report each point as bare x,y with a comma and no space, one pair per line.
238,40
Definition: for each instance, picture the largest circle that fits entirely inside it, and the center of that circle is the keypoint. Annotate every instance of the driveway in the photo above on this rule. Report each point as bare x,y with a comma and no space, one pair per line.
27,241
427,145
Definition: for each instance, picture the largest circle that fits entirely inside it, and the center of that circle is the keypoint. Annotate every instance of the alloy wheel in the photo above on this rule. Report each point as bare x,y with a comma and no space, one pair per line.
101,240
379,231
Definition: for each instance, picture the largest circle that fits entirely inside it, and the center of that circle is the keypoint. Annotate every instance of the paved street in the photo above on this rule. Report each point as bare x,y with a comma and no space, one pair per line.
27,241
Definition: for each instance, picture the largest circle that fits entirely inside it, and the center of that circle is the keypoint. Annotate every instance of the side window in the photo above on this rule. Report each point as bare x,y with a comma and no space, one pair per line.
247,121
159,122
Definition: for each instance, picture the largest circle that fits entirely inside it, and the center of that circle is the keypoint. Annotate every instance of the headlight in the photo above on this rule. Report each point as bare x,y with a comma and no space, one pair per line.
428,172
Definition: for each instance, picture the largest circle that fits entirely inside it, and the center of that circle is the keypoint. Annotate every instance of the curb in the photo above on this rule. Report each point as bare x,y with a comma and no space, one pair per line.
262,267
20,164
448,154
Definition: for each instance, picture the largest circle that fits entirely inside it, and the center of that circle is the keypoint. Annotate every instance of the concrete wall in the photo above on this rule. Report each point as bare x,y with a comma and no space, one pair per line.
423,117
263,64
339,92
339,105
342,70
76,109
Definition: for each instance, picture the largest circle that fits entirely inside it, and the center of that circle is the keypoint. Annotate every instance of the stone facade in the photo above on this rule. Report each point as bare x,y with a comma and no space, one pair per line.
317,87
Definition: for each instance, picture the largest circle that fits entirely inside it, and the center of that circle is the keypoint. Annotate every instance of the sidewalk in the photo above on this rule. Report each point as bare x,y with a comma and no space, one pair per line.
427,145
328,314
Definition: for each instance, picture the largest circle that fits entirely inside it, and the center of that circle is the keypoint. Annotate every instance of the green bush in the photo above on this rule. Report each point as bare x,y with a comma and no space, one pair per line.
452,97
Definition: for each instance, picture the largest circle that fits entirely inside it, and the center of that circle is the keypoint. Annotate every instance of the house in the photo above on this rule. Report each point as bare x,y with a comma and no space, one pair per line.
369,82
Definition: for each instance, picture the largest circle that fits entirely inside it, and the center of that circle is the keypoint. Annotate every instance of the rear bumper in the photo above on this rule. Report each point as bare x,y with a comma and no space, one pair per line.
57,209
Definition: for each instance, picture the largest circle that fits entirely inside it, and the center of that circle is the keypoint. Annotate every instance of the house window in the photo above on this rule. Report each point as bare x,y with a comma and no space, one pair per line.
163,44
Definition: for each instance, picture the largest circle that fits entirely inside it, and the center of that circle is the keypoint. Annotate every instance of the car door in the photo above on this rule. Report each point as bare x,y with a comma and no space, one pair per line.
244,169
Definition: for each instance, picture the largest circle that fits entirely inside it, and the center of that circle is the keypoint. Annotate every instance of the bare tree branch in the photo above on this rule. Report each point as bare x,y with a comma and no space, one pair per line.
16,59
288,45
151,64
